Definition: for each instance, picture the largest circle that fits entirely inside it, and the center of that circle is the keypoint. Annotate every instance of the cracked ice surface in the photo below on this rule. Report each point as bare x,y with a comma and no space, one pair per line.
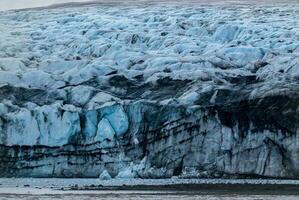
54,49
78,76
66,51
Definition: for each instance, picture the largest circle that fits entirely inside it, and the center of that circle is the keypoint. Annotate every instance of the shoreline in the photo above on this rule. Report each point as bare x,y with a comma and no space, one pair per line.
149,186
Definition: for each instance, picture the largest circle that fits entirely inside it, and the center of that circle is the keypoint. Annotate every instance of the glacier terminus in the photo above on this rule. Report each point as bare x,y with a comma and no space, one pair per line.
150,91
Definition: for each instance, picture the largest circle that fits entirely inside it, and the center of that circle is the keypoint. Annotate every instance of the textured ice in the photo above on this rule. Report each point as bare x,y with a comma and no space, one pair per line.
105,132
105,175
117,118
126,173
92,81
78,44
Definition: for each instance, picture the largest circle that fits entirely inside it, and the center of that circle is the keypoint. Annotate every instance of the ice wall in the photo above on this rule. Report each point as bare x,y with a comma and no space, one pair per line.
150,92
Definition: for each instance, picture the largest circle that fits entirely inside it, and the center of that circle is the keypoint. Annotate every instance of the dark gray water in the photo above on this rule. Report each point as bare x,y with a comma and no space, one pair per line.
189,189
23,193
117,196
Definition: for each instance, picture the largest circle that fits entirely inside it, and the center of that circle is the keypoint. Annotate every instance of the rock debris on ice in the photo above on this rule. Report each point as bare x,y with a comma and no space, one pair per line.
150,91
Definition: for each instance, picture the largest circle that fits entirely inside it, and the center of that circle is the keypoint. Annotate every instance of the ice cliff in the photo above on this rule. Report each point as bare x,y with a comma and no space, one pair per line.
150,92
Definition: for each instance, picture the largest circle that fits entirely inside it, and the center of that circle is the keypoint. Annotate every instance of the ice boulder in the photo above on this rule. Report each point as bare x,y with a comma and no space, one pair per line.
105,175
91,121
81,94
99,99
80,74
105,131
127,173
57,126
11,64
226,33
197,31
117,118
60,66
40,79
242,55
22,128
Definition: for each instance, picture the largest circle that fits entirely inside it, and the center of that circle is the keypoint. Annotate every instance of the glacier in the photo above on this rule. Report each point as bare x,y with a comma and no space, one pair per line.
150,91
